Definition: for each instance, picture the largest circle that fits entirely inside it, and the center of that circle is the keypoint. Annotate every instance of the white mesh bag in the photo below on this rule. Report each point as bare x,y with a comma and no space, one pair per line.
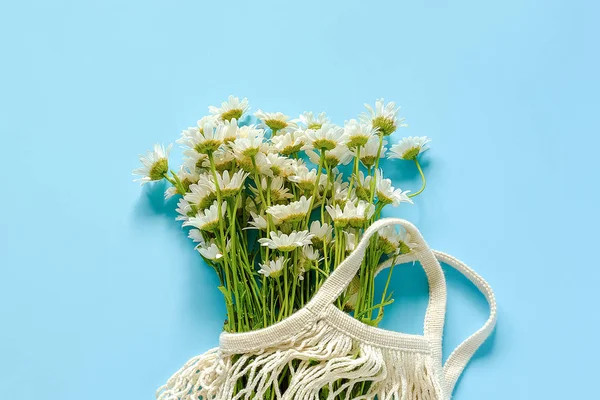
329,355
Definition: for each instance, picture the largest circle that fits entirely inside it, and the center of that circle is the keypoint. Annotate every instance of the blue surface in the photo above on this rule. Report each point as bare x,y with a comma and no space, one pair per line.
102,295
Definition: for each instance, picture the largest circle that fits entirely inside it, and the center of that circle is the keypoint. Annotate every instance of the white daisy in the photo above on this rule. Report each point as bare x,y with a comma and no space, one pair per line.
232,108
255,165
196,236
409,148
368,153
326,137
186,178
354,215
231,185
230,132
293,212
274,268
208,119
310,253
384,117
208,219
350,241
304,178
286,243
289,143
392,241
203,193
276,121
340,155
222,158
260,222
322,233
210,251
250,145
295,165
358,134
387,194
278,190
309,120
184,209
339,192
278,164
155,165
363,186
405,242
388,239
204,139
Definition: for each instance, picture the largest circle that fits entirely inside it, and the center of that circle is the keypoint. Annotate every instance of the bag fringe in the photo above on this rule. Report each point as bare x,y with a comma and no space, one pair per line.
322,363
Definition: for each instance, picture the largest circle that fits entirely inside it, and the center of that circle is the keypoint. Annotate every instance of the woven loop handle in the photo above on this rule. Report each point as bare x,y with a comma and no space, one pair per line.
339,279
460,357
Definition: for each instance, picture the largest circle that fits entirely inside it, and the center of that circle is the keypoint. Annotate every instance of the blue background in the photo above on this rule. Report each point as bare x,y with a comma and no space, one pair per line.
102,295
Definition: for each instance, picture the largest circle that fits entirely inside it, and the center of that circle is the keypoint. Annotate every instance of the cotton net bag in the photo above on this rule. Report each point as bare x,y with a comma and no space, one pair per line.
328,354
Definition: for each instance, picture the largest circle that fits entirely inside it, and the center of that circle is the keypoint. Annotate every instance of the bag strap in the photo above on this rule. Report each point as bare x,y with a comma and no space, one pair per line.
460,357
339,280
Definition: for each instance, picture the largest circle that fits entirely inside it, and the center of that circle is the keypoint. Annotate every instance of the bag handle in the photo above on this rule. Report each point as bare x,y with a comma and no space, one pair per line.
339,280
461,356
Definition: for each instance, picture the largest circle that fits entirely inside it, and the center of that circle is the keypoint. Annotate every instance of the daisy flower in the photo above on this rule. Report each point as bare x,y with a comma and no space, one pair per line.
340,155
368,153
322,234
289,143
384,117
276,121
279,165
210,251
293,212
230,132
186,178
305,178
278,190
350,241
388,239
232,108
392,241
358,134
250,145
386,192
196,236
208,219
405,243
339,192
222,158
409,148
326,137
257,164
311,254
260,222
354,215
184,209
363,186
231,185
204,139
309,120
203,193
274,268
155,164
286,243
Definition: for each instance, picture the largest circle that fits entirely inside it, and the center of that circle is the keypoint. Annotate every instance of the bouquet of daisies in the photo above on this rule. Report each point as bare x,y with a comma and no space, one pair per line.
276,205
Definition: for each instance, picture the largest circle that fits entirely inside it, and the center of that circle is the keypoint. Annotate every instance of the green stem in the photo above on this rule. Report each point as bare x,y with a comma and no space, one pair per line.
385,289
422,179
315,189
